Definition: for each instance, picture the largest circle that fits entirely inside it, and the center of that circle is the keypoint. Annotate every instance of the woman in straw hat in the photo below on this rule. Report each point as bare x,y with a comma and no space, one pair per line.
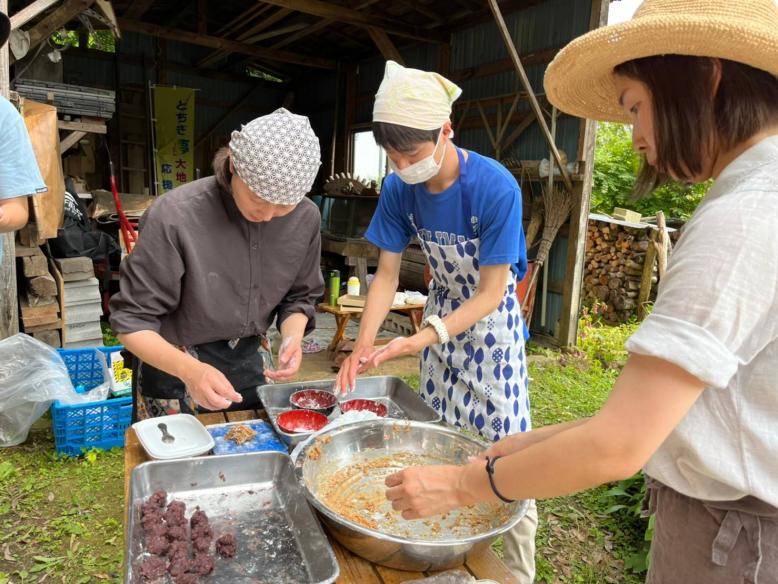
465,210
696,404
211,271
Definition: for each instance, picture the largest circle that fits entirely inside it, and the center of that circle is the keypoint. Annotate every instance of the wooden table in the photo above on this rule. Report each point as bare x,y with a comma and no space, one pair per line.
353,569
342,317
359,254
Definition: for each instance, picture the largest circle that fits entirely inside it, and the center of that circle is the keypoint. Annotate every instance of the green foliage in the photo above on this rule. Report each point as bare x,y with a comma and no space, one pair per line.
615,169
65,38
109,338
602,344
625,502
101,40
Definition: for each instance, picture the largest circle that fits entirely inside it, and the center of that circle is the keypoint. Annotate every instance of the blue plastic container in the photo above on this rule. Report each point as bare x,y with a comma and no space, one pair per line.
99,424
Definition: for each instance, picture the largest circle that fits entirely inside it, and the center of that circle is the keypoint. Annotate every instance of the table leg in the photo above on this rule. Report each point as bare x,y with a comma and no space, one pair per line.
416,318
342,322
362,274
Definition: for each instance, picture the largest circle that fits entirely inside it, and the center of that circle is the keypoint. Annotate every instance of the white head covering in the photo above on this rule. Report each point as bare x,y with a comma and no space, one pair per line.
414,98
277,156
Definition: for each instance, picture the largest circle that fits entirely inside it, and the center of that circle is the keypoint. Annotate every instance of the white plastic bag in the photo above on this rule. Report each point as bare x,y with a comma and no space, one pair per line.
32,376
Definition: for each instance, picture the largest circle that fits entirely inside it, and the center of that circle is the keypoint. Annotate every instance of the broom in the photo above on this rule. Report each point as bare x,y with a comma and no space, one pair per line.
557,204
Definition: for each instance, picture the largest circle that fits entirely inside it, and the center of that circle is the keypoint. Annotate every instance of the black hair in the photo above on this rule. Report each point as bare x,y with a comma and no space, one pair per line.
402,138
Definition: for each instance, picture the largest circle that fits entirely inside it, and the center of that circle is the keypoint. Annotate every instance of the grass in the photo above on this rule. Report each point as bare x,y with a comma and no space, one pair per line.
61,519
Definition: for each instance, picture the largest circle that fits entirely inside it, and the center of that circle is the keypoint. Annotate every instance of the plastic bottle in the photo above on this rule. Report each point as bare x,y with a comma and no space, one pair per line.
353,286
334,287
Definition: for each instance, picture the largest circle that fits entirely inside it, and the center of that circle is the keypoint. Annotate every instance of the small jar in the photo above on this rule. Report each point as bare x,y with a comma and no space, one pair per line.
353,286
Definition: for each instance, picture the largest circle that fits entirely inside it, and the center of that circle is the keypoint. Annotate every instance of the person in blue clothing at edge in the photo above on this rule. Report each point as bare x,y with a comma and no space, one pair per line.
465,209
19,172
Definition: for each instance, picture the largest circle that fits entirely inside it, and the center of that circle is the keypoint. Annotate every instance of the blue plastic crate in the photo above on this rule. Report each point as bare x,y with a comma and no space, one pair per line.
99,424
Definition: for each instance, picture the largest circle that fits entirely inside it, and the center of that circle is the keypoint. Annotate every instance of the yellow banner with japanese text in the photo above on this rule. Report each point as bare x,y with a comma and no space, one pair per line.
174,134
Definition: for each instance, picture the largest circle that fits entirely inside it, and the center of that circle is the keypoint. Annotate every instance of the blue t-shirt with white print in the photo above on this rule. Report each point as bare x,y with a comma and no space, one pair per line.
495,217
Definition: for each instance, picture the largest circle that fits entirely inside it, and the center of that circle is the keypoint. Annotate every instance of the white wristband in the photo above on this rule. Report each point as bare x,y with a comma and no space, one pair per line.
435,322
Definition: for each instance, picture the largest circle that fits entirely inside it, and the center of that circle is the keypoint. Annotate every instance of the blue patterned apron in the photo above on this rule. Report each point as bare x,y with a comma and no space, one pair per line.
477,380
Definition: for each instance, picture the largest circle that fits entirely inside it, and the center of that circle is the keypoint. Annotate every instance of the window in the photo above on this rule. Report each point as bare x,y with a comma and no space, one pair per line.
369,158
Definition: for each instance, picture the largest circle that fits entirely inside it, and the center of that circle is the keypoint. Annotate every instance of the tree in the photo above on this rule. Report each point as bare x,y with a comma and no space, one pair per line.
615,168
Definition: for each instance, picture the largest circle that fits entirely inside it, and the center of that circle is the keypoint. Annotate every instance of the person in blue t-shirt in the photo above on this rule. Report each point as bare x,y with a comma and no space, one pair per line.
465,209
19,173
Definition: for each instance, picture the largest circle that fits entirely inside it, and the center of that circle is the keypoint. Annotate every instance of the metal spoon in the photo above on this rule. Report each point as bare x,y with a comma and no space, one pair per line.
166,438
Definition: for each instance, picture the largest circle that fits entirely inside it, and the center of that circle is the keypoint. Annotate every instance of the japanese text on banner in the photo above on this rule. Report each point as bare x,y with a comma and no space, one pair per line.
174,133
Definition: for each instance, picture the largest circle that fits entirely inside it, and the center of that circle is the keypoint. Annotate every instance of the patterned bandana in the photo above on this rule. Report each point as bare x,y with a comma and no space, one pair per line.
414,98
277,156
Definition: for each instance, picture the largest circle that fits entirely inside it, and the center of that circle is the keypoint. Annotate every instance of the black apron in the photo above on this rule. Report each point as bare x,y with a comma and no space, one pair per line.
241,363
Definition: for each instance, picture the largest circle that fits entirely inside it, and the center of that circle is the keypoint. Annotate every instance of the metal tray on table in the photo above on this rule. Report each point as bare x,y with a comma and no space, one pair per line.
255,497
402,401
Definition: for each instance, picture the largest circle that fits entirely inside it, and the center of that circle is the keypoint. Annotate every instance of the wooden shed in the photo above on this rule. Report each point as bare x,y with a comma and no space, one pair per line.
323,59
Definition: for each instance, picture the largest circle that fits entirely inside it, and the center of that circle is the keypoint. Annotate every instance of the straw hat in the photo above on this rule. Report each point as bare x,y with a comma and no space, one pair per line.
579,81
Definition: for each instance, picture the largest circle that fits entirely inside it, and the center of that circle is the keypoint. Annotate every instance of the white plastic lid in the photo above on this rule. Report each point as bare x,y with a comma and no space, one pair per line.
191,437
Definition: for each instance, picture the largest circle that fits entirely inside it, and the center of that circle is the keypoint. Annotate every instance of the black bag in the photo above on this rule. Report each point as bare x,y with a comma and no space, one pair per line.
78,238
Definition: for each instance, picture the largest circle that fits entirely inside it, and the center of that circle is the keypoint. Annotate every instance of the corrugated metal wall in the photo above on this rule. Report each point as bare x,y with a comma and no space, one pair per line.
84,69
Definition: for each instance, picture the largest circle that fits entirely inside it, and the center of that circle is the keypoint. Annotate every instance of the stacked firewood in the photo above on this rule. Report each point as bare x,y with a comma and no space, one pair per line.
615,258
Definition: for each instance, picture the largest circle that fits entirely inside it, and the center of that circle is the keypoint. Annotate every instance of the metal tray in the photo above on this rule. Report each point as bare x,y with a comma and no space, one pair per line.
254,496
403,402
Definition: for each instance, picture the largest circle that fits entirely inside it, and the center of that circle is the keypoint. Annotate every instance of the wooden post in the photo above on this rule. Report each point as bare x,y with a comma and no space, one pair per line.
335,118
444,59
9,317
579,217
664,241
647,277
533,100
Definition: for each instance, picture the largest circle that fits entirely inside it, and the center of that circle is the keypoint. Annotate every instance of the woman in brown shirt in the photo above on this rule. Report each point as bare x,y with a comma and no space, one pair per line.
216,261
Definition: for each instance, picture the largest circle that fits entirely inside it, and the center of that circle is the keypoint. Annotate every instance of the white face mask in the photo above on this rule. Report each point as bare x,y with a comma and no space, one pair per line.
424,169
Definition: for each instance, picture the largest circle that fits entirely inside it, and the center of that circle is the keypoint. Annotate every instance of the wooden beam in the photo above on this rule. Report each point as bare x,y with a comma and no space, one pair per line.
70,140
470,18
385,45
506,35
540,57
315,27
137,8
243,19
27,13
226,44
93,127
278,32
246,36
207,73
56,20
357,18
528,120
423,10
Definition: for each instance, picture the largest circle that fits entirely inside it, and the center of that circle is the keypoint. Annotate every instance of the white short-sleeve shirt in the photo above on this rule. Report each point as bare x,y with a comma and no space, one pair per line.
716,316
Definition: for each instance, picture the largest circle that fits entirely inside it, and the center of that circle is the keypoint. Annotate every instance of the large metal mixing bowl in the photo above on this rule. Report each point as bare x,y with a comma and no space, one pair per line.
346,445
